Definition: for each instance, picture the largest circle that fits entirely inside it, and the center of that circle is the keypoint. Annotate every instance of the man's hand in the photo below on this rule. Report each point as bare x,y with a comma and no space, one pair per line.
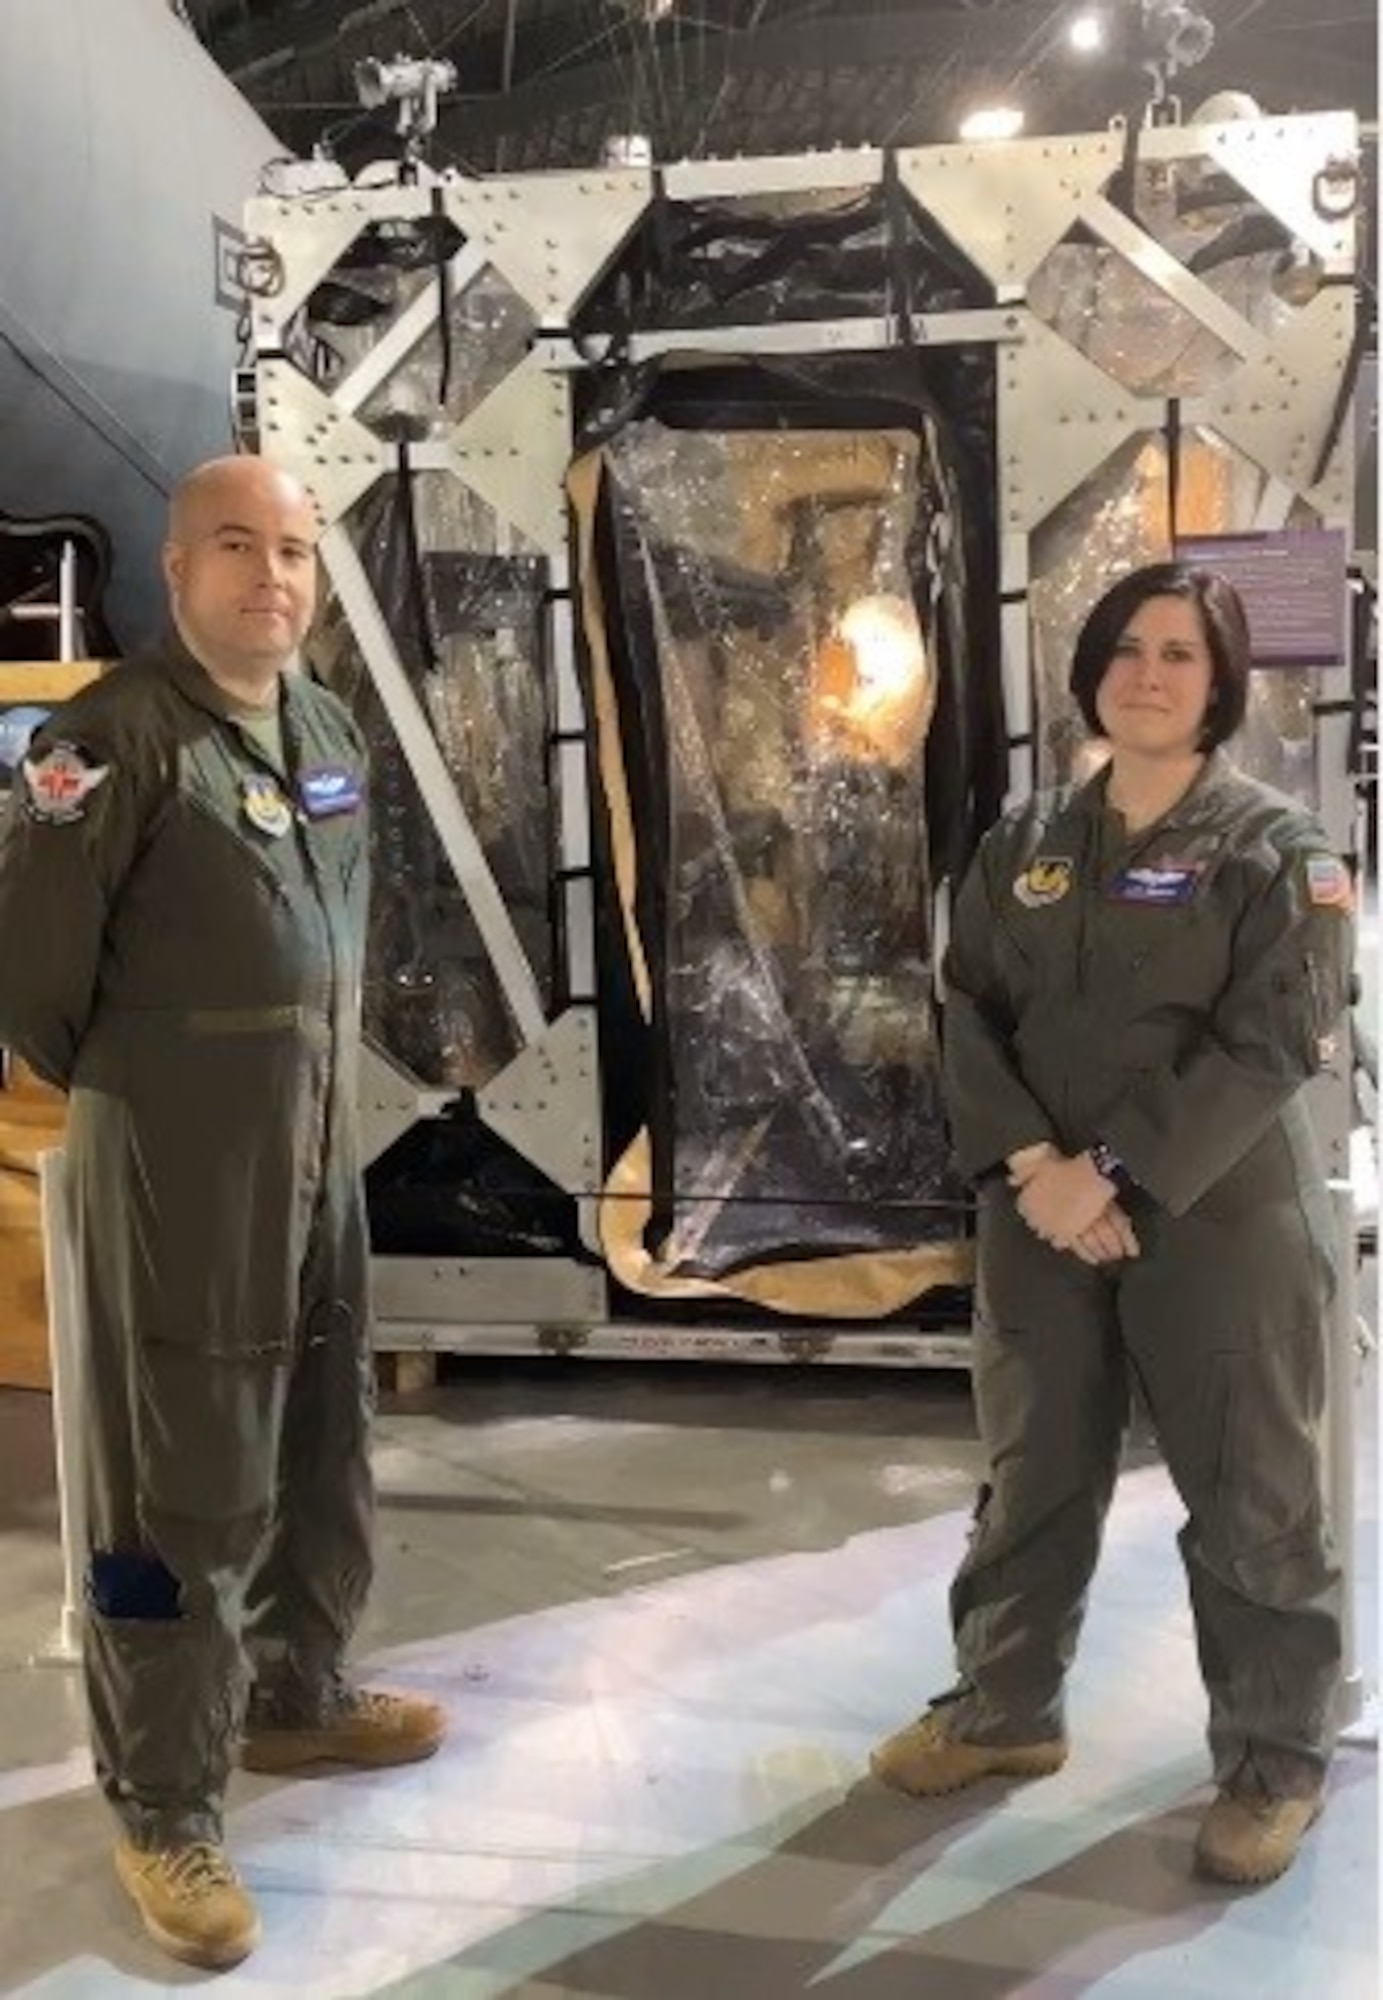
1023,1164
1062,1199
1108,1240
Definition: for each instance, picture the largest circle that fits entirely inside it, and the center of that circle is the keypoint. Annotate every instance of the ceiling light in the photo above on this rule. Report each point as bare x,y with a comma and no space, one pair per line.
995,121
1086,34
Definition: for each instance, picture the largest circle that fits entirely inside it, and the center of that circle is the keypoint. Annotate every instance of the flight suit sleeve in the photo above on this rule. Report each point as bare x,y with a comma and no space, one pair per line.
1271,1030
992,1112
70,835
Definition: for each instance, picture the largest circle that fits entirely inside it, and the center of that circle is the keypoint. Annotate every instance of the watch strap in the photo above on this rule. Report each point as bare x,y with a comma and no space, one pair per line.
1109,1166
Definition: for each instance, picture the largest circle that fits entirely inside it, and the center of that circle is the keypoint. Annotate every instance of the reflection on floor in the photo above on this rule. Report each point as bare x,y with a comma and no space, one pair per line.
668,1613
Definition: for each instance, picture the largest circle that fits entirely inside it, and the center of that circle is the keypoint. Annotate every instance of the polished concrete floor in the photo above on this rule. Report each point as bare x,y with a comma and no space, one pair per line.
668,1609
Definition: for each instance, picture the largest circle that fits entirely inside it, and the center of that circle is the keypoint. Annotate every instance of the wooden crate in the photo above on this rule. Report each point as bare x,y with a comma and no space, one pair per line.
31,1121
31,1113
23,1304
46,682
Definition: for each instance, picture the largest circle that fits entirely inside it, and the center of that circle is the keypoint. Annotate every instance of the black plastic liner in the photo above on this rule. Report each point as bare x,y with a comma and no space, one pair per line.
792,1107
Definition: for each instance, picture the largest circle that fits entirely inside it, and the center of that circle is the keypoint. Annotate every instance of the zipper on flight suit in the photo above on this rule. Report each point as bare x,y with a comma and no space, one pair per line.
1321,1043
292,757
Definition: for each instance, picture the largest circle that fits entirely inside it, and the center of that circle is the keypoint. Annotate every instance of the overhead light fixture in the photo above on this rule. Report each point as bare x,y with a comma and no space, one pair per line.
994,121
1086,33
1182,36
413,84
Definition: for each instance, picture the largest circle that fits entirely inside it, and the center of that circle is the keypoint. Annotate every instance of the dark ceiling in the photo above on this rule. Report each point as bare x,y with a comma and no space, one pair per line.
547,82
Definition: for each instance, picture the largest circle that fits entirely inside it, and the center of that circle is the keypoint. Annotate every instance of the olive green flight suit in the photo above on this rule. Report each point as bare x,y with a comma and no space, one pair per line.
183,927
1168,993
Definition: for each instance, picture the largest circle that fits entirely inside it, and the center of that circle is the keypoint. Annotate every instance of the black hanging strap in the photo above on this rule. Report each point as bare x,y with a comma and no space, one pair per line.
442,264
896,223
427,636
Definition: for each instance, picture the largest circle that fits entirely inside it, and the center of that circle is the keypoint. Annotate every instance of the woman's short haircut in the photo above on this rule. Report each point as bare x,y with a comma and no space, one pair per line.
1222,619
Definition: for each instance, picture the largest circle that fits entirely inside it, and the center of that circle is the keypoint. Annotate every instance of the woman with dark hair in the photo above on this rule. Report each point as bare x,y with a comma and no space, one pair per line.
1143,972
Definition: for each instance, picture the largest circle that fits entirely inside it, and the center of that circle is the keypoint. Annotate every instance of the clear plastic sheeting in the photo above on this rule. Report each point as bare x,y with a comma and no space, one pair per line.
469,632
769,583
1278,742
470,335
1117,521
1133,328
442,382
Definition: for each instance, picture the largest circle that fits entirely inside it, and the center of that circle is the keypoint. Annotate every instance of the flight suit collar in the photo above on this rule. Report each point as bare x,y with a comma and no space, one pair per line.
192,680
1199,805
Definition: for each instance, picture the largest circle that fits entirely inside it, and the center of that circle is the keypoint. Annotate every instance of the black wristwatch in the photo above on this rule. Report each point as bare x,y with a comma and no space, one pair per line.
1109,1166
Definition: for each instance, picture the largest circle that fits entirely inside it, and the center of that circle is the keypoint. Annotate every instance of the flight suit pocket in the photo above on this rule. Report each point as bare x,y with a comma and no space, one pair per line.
1257,1501
206,1441
243,844
212,1211
1307,1009
1288,1572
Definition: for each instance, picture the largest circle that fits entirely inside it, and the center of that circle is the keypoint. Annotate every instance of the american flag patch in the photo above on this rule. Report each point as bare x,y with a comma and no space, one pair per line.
1328,883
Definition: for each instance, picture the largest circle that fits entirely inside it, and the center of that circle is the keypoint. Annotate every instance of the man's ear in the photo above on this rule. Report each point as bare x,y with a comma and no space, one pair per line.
174,560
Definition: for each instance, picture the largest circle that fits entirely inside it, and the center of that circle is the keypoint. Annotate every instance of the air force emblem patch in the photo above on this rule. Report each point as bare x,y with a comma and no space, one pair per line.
264,805
1045,880
58,784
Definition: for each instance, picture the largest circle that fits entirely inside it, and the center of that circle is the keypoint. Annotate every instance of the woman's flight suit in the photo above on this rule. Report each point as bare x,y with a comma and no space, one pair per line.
1168,993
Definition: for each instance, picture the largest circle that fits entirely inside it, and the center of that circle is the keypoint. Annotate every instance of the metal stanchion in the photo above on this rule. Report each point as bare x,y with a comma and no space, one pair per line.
62,611
1358,1710
65,1356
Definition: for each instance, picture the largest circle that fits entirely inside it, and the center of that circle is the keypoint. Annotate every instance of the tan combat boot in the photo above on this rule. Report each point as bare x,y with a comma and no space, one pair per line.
191,1901
1251,1838
366,1728
923,1760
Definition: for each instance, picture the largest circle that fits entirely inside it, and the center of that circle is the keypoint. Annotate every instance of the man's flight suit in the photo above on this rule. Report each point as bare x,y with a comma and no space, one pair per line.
1168,993
182,919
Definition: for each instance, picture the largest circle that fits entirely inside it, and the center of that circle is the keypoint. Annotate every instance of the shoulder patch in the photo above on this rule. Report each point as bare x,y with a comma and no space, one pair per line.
1328,883
58,784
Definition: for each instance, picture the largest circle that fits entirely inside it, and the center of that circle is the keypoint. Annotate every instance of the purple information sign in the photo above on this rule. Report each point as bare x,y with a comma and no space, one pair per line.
1295,585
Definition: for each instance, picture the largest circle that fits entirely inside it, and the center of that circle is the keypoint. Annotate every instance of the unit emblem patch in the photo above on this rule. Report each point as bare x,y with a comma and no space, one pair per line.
264,805
1045,880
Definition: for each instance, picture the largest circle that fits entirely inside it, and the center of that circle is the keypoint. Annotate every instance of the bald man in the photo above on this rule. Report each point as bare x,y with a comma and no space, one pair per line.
182,903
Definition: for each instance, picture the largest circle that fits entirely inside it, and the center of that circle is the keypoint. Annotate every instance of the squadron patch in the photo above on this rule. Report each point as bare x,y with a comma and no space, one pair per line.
1328,882
1045,880
58,784
264,805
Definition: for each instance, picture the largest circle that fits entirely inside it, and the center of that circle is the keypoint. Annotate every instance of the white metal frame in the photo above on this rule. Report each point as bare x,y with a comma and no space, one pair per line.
1060,417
